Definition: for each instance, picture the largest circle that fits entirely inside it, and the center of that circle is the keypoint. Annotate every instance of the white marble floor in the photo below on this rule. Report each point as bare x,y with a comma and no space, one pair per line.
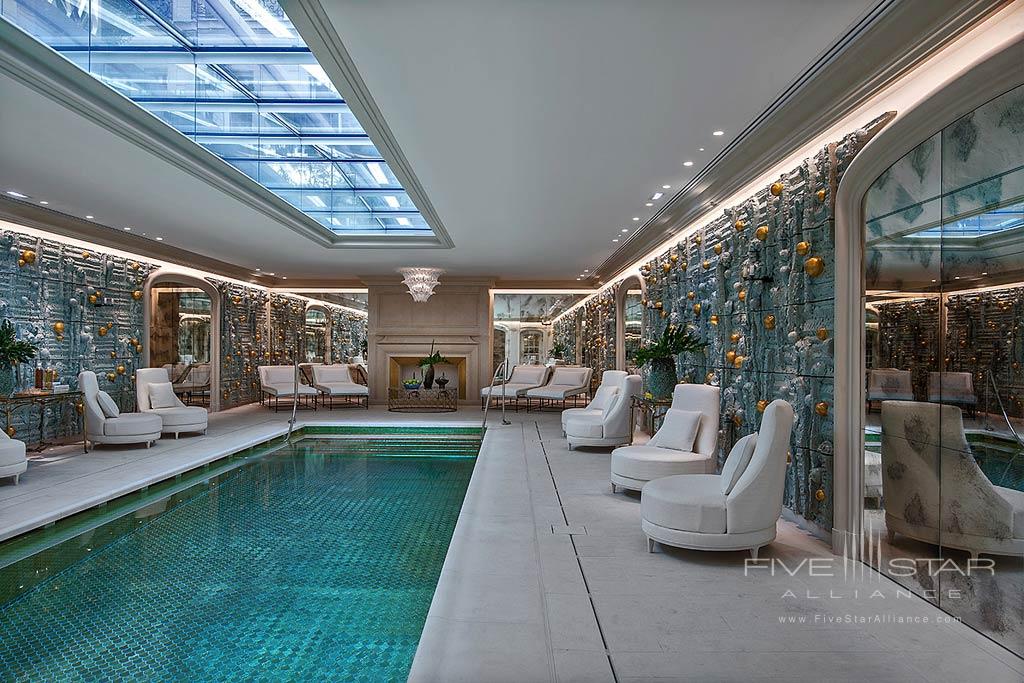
548,576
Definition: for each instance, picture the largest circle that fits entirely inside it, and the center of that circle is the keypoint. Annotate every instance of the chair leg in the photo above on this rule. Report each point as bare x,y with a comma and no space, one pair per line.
754,551
176,435
652,545
890,534
16,478
613,487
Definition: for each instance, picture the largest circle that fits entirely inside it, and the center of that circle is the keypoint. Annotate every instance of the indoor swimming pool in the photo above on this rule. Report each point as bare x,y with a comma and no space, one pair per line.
313,561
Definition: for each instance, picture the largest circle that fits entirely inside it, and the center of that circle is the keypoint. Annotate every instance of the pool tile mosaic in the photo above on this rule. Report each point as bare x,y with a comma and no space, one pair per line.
312,563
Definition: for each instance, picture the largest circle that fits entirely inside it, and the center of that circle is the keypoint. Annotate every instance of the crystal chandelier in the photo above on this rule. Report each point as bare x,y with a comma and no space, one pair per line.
420,281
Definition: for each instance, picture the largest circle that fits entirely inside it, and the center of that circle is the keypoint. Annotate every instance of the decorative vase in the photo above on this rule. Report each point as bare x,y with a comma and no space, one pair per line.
662,379
428,377
8,381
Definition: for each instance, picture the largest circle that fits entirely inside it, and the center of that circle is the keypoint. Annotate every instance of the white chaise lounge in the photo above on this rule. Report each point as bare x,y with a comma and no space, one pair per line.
105,423
12,457
934,489
278,381
611,427
952,387
335,382
522,379
611,383
565,383
734,510
887,384
686,443
156,396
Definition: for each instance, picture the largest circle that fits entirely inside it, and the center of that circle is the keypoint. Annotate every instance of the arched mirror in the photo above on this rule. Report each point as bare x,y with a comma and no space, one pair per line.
629,313
181,338
317,336
530,346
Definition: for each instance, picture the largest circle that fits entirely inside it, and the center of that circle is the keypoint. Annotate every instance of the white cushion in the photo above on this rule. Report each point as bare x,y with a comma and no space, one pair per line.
161,395
530,375
12,452
133,424
678,431
602,397
689,502
107,404
645,463
587,426
736,463
557,392
511,390
173,417
330,374
343,388
569,377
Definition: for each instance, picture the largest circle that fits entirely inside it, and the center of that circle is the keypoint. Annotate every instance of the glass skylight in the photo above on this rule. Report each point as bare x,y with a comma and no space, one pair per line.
235,77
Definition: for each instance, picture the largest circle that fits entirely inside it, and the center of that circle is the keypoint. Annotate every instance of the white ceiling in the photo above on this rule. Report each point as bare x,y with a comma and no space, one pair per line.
537,129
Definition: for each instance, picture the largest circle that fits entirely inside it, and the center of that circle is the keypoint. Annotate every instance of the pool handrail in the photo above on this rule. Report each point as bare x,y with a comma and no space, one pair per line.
502,370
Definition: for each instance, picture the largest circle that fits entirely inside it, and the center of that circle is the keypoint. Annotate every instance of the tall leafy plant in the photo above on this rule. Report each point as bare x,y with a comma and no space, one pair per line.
673,341
559,349
13,350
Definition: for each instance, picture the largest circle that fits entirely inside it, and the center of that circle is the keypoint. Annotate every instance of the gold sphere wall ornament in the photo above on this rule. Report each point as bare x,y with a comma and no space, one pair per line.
86,254
803,247
137,294
742,294
814,266
102,331
769,322
761,233
236,300
738,363
28,256
79,408
697,239
11,431
709,378
134,265
821,408
691,295
113,354
718,248
138,348
674,258
666,267
776,189
21,263
737,420
819,495
664,314
58,327
121,369
822,333
658,304
705,264
740,226
696,308
761,405
683,265
734,337
713,320
821,194
93,298
111,376
730,357
652,280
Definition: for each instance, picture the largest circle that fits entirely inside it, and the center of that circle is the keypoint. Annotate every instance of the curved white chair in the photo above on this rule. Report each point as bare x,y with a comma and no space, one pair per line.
155,396
675,448
110,425
734,510
278,381
12,457
611,383
522,379
612,426
565,383
934,489
335,381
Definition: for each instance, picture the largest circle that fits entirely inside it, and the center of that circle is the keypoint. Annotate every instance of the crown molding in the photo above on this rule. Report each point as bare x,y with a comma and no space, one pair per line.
316,28
45,71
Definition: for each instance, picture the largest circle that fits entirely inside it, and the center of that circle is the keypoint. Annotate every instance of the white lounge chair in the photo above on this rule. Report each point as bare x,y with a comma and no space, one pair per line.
611,383
565,383
934,489
685,444
734,510
951,387
889,384
12,457
155,395
105,423
278,381
522,379
335,381
613,426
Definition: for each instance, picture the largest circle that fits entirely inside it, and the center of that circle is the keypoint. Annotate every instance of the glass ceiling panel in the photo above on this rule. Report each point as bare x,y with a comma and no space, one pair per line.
235,77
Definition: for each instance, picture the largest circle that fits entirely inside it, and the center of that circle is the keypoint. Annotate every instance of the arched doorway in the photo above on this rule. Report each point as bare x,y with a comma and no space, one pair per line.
629,313
182,334
317,343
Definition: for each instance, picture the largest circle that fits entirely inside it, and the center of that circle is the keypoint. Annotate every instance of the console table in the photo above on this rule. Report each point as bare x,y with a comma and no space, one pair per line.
42,402
402,400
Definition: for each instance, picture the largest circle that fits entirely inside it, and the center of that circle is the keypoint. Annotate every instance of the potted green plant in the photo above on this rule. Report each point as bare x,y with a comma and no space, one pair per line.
558,350
661,355
428,364
12,352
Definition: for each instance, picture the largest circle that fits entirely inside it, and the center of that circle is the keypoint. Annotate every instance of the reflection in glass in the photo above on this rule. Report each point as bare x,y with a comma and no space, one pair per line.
633,313
316,335
180,336
944,359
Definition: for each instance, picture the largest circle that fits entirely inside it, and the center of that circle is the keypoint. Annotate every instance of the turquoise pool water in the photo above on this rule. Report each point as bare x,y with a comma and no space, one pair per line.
312,563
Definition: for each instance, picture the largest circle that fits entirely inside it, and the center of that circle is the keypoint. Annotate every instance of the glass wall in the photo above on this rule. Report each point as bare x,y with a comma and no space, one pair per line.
180,337
236,78
523,328
944,360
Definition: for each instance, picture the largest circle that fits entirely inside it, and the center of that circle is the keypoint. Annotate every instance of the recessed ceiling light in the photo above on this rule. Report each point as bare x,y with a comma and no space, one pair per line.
258,269
159,239
577,279
984,273
636,218
269,273
718,132
17,194
586,270
625,230
687,163
665,187
648,204
127,228
88,218
284,277
657,195
615,240
957,277
44,203
700,149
